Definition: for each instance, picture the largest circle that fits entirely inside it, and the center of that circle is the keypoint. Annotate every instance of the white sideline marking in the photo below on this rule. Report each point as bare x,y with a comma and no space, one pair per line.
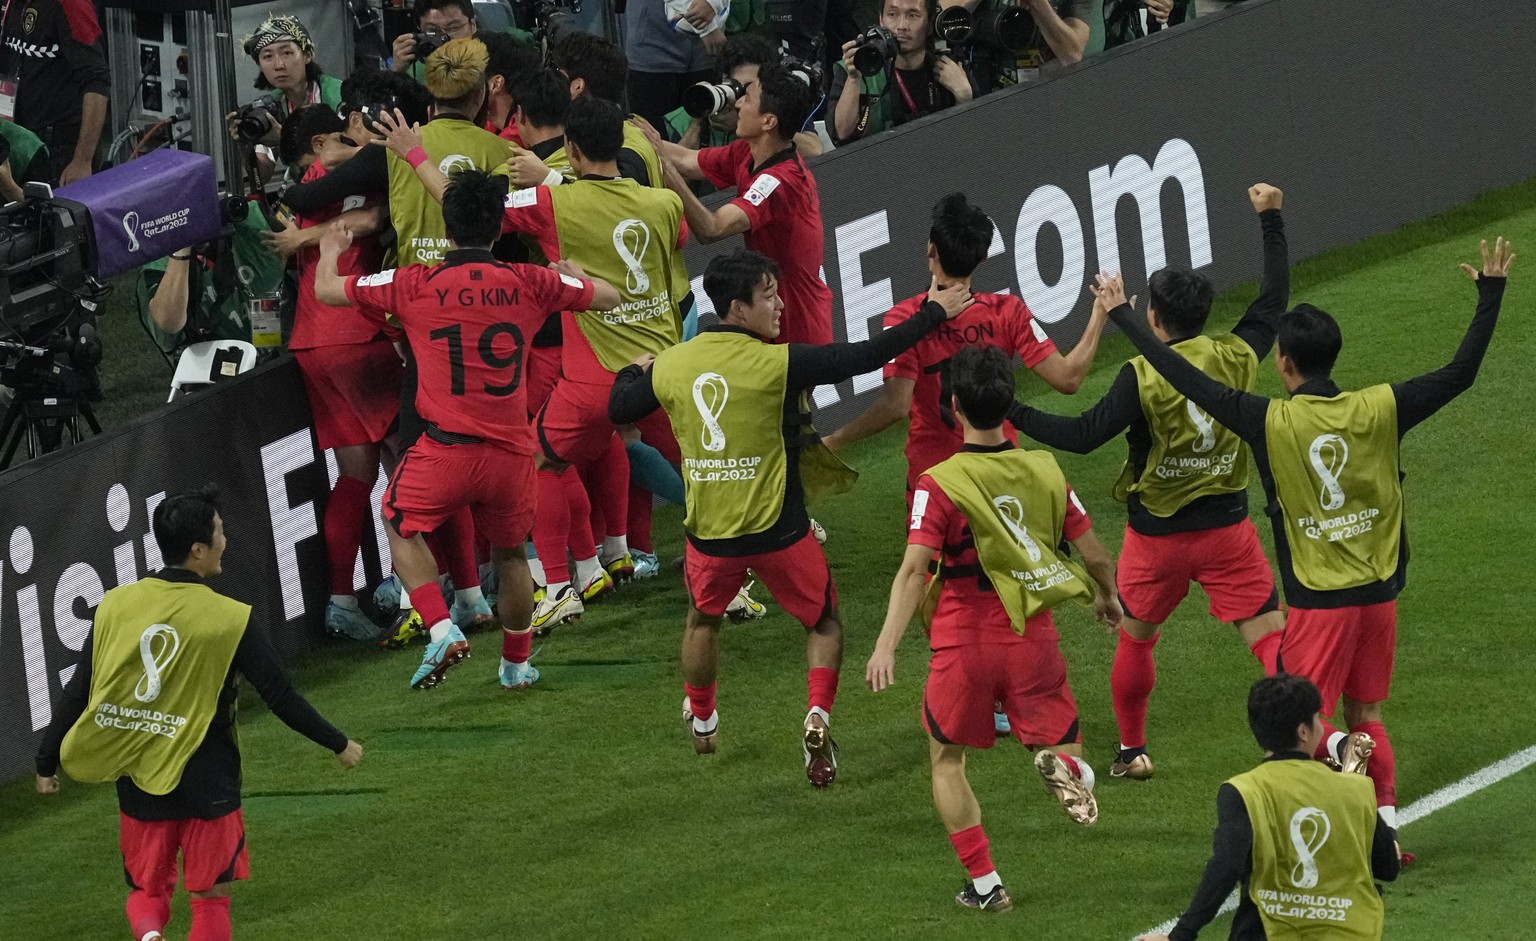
1417,810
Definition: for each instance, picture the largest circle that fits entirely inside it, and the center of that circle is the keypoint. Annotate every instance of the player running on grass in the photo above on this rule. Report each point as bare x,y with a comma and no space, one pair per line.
1185,481
470,319
151,705
739,404
999,515
1329,460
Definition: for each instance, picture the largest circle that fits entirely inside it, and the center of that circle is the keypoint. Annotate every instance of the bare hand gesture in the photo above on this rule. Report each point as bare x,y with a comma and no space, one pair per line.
525,168
949,74
714,41
287,240
644,361
351,755
48,785
646,128
1160,10
954,298
881,670
569,268
1109,294
400,135
1106,607
848,48
337,239
404,52
1263,196
1495,265
699,14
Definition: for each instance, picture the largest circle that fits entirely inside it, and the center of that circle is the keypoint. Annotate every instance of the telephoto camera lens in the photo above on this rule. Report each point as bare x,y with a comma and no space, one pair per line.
707,98
1010,29
953,24
876,48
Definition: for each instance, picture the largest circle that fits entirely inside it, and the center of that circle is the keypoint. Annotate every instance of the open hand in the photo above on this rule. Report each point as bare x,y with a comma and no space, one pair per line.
648,129
400,135
285,241
1109,293
1495,265
526,169
881,670
1106,607
954,298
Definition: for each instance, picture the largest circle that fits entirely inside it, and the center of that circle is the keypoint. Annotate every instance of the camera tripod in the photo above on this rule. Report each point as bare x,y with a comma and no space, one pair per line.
45,415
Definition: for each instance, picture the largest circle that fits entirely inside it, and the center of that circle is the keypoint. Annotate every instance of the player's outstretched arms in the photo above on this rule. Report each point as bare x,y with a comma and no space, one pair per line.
604,295
906,594
1240,411
1065,372
1098,425
404,140
811,365
330,286
1096,558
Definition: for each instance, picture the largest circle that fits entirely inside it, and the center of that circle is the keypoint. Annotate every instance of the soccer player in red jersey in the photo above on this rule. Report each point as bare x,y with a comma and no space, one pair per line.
917,383
1329,462
997,515
470,320
1185,483
738,402
776,203
350,367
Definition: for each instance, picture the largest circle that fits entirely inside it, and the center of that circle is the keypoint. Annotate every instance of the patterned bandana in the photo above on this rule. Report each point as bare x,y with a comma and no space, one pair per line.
279,27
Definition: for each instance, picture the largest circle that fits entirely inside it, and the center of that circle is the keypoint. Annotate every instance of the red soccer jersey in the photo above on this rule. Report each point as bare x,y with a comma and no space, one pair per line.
535,217
966,612
315,324
781,202
470,321
999,320
508,133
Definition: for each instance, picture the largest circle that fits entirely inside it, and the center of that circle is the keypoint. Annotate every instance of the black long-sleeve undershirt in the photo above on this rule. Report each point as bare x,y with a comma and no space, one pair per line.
365,174
1231,864
634,397
210,783
1120,408
1244,413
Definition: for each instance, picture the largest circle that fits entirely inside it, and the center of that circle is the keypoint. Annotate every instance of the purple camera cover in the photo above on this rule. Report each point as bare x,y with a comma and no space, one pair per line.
148,208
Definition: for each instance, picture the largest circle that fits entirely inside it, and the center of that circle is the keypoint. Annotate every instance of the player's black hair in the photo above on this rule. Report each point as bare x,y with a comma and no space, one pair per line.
384,90
1310,339
597,61
545,97
746,49
596,127
467,7
961,234
785,97
1277,705
473,208
184,520
312,73
301,128
735,277
1182,298
510,57
982,380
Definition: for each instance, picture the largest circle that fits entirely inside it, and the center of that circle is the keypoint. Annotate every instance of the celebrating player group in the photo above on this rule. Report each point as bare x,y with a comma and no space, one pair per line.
544,468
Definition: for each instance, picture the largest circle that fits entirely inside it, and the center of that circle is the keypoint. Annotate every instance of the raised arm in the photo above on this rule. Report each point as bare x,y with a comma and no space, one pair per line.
1419,398
1065,372
330,286
818,365
1262,320
1240,411
404,141
1089,430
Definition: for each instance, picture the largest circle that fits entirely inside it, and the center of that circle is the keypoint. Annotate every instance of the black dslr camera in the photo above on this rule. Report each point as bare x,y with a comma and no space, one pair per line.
428,41
1004,28
877,49
255,120
707,98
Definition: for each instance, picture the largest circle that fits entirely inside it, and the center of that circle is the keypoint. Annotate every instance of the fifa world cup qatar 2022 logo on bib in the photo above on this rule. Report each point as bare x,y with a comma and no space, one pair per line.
710,392
630,239
1328,455
1011,512
158,646
1310,829
1204,427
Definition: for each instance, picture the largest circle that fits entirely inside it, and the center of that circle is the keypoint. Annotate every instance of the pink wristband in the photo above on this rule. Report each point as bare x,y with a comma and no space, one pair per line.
416,157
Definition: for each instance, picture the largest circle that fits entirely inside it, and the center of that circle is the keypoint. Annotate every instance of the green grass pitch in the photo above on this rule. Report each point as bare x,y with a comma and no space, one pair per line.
577,809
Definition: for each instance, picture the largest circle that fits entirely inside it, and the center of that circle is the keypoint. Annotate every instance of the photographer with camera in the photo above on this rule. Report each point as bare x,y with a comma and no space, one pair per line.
891,74
437,21
707,117
24,158
669,53
284,51
1014,43
56,81
1123,19
776,205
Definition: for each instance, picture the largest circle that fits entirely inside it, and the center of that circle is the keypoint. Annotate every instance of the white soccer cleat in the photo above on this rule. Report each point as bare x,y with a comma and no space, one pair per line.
743,608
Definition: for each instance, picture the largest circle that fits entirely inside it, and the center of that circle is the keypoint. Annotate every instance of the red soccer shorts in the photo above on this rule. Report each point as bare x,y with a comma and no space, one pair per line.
540,376
573,425
212,852
1155,572
354,391
1342,650
436,480
797,576
1029,678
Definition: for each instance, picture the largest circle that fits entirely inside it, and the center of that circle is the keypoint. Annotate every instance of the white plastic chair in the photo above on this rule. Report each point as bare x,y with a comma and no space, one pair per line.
196,366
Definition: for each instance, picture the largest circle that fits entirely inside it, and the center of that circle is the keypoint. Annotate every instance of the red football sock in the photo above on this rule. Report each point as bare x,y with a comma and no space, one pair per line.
580,541
429,604
147,912
455,549
609,476
1382,765
210,919
971,846
516,647
1130,681
640,505
701,700
552,526
822,685
346,516
1267,650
